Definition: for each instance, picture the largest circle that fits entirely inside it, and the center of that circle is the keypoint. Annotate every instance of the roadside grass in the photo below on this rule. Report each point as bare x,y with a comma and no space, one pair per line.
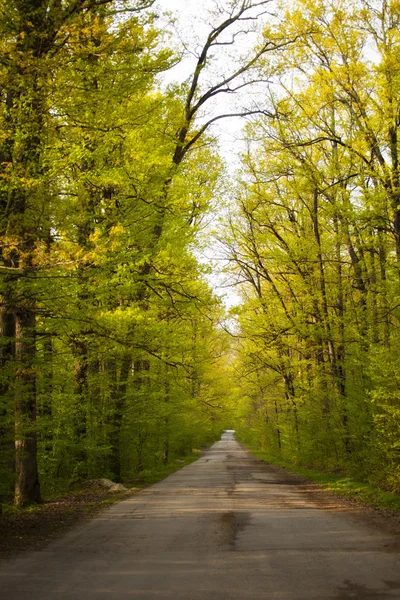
149,476
341,485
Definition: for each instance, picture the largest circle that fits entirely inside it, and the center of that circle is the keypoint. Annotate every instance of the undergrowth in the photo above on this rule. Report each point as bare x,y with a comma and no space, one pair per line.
150,476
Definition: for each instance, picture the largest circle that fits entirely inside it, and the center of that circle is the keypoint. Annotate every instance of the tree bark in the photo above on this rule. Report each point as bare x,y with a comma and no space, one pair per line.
27,487
7,445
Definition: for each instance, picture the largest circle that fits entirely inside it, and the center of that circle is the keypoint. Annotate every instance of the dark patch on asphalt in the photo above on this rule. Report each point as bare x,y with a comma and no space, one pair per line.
229,524
273,482
394,547
309,495
356,591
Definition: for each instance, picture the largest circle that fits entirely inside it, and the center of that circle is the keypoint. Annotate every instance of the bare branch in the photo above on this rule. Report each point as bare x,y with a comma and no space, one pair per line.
213,120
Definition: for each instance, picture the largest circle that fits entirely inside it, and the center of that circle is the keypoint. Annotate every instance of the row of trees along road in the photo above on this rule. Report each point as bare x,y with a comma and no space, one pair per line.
315,243
112,357
111,354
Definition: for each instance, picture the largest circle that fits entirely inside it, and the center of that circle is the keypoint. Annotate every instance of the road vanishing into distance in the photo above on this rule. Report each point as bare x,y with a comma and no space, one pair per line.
225,527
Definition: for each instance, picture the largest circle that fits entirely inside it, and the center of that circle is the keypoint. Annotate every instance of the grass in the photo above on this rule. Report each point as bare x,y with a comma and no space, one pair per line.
149,476
342,485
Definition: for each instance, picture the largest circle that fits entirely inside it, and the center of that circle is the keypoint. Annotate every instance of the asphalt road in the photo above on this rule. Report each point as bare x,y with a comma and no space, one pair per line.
224,527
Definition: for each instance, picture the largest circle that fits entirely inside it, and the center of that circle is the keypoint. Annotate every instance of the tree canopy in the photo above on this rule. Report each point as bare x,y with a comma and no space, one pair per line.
114,354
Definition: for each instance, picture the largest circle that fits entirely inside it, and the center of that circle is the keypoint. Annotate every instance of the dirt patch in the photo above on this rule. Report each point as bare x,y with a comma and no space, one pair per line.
354,591
381,518
33,528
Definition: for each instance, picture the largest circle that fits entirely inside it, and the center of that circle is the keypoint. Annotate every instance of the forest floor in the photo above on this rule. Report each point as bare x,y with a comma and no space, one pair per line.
34,527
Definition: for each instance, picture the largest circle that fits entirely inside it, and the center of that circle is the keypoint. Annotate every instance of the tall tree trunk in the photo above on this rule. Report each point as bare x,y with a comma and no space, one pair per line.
322,285
290,397
25,109
277,426
46,409
373,295
7,445
165,455
383,289
81,394
118,400
27,487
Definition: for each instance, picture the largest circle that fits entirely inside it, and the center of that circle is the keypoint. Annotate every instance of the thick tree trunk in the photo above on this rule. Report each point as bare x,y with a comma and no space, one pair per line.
27,487
25,108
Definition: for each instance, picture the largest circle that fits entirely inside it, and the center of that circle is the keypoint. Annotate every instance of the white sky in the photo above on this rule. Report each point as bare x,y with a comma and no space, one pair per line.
193,24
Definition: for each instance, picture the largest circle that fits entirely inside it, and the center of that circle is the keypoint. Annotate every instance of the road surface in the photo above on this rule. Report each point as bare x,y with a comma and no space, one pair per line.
225,527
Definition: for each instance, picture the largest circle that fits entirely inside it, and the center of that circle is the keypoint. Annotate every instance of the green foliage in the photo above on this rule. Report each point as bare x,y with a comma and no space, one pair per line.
110,331
315,241
113,359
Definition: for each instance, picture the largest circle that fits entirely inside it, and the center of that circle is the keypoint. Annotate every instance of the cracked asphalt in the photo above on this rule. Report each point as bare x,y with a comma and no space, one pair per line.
225,527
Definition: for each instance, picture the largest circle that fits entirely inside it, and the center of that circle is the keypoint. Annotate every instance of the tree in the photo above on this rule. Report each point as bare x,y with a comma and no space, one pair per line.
315,241
33,38
106,180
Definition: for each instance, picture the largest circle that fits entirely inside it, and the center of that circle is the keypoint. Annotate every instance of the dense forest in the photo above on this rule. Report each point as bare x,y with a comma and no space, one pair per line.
315,241
116,353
